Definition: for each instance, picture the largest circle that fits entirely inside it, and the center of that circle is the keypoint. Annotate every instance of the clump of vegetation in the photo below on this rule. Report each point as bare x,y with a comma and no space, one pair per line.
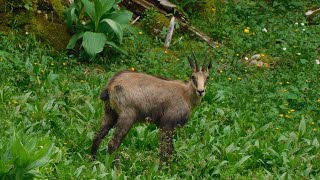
99,24
154,22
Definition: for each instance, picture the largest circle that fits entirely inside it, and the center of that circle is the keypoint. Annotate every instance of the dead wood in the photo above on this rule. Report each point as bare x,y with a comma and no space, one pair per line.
167,8
170,33
310,14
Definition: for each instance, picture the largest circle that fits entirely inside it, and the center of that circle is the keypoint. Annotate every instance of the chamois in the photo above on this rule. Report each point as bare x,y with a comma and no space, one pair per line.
130,97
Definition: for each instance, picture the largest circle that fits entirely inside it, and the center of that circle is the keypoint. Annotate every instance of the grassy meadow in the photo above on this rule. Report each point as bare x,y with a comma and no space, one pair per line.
255,122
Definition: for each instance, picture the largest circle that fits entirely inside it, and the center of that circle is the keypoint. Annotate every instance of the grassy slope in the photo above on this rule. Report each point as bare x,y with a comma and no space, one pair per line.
237,132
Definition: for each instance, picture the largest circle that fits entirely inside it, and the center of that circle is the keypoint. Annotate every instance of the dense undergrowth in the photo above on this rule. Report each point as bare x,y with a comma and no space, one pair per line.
254,122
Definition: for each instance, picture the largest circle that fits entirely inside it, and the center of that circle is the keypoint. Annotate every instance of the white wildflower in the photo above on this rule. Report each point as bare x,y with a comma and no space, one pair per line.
302,24
246,58
264,30
284,48
27,33
303,29
317,61
299,54
296,23
83,23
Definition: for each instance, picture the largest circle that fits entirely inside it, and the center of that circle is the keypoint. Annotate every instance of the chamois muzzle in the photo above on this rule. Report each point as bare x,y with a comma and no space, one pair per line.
200,92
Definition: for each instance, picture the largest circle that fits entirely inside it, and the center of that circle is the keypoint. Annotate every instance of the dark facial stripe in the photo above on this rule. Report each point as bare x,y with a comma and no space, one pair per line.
195,82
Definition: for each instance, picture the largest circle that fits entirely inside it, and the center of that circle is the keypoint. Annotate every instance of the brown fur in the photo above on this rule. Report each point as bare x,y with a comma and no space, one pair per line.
130,97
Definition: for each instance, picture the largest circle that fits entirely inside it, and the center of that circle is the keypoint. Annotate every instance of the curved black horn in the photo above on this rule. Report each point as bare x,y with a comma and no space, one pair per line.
196,60
191,62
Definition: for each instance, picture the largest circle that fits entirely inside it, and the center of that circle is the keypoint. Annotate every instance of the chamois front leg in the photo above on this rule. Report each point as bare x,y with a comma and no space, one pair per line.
166,143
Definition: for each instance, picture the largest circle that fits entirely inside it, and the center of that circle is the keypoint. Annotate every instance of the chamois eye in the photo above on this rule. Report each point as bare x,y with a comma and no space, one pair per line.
208,78
192,77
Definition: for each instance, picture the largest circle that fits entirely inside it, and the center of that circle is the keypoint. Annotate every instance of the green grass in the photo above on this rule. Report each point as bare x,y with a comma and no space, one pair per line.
253,123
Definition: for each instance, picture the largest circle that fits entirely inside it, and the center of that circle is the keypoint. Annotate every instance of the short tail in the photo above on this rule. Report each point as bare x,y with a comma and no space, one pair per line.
104,96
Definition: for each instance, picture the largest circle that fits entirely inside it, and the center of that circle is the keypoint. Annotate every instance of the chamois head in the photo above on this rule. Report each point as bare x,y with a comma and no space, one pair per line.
200,76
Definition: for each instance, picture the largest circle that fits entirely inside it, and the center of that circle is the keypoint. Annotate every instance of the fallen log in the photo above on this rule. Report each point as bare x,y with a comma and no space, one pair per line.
167,8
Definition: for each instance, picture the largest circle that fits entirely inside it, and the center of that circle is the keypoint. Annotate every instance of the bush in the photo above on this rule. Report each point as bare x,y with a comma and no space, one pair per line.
98,23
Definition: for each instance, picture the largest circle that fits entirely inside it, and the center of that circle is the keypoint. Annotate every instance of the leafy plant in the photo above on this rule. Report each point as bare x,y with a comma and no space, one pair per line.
24,156
98,23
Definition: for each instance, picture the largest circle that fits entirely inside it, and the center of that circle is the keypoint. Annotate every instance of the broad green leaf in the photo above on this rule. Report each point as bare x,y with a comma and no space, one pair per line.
307,171
30,144
19,151
43,157
107,5
227,130
241,161
218,167
93,43
220,112
116,27
284,156
302,127
4,53
27,5
90,107
116,47
49,105
293,137
231,148
315,143
71,16
79,113
89,8
79,128
79,170
74,39
121,16
265,127
74,17
257,143
5,165
273,152
283,176
237,127
36,174
220,96
102,6
52,77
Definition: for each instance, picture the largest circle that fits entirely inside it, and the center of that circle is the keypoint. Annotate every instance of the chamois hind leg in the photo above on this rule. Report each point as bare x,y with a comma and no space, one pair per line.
166,143
109,119
124,124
